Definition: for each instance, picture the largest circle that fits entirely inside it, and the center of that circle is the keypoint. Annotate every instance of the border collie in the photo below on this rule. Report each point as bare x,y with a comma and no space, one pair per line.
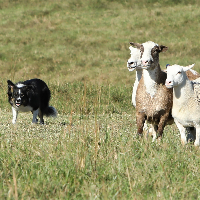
31,95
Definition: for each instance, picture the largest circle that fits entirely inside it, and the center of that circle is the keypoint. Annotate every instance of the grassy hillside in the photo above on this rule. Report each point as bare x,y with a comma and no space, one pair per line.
80,48
89,40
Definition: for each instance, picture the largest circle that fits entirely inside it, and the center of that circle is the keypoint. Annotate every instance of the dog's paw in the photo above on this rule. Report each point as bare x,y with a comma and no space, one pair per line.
14,121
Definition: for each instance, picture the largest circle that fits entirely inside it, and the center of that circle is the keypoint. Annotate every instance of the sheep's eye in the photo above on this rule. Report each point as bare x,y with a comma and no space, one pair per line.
179,72
155,50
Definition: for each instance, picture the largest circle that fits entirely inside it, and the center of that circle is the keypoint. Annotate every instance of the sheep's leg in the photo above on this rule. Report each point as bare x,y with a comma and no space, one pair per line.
150,129
182,132
197,141
146,129
140,123
154,129
134,95
161,125
191,134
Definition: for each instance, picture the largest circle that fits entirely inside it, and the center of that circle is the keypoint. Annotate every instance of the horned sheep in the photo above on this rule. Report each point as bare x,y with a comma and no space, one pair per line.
186,101
134,63
153,99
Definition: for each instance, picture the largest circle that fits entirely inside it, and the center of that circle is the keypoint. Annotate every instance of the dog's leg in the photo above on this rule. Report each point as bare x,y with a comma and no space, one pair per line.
41,116
15,113
35,114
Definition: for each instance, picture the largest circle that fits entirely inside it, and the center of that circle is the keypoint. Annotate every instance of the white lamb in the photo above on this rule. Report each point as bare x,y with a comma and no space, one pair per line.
186,101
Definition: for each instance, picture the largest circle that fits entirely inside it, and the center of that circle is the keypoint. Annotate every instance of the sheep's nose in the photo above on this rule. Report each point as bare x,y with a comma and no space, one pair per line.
168,82
130,63
145,62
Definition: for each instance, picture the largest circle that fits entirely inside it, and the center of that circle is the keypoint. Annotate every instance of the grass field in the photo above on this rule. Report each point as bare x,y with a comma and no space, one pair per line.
90,151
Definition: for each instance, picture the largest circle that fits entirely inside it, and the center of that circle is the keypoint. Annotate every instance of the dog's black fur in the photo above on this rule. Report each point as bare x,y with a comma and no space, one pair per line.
31,95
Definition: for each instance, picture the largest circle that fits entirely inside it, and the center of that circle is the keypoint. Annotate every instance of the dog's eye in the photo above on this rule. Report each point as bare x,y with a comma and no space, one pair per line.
22,95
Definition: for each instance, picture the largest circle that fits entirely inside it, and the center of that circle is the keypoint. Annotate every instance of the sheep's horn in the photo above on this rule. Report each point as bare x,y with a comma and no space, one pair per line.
190,66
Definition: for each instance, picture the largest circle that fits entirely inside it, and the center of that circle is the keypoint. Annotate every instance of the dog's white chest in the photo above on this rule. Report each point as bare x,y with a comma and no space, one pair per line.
23,108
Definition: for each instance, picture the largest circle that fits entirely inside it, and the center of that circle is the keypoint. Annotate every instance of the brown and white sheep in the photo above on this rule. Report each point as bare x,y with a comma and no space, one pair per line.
153,99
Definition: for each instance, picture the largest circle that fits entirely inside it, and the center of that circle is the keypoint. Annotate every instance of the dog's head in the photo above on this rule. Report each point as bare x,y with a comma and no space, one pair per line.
18,93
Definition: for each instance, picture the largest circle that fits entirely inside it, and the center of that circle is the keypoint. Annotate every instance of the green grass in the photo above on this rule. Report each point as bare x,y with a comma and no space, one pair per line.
90,151
95,156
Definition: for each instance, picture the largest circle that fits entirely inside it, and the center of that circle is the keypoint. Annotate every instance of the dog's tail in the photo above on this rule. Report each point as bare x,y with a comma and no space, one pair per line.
50,112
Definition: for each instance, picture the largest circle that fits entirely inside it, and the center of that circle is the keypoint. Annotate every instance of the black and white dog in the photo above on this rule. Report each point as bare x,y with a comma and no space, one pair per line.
31,95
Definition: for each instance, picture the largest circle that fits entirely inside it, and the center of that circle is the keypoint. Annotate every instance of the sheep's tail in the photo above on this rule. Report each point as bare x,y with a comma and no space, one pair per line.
50,112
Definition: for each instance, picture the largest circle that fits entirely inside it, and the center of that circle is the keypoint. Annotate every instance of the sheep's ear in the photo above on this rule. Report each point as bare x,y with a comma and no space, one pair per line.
136,44
162,48
188,67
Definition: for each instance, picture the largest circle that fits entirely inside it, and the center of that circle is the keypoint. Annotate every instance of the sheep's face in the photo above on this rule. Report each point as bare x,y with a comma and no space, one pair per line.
175,76
150,54
134,61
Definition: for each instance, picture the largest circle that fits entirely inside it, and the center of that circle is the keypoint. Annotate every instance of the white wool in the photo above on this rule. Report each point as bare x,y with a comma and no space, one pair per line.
137,79
134,61
149,81
186,101
150,76
135,54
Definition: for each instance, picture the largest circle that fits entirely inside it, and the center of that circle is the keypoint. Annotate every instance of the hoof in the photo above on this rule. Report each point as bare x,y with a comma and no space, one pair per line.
139,134
183,142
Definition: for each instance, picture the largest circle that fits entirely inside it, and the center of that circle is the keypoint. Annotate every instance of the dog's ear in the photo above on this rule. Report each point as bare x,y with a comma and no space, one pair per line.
10,84
10,87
